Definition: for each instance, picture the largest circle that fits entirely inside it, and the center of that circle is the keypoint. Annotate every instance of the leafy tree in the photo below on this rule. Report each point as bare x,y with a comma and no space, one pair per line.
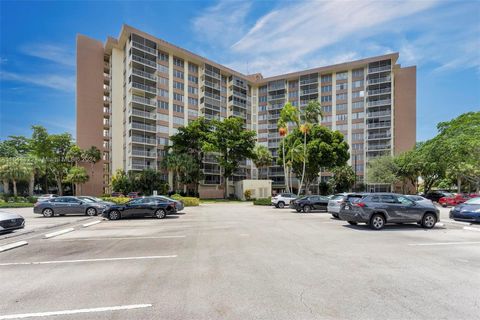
41,147
343,178
324,149
408,167
263,158
121,182
181,164
77,176
232,143
15,170
59,160
383,170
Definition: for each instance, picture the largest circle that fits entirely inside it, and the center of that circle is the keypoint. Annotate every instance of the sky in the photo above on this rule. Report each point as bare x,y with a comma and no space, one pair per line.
442,38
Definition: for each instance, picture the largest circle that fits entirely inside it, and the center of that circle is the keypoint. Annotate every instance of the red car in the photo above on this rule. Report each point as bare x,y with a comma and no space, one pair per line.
453,201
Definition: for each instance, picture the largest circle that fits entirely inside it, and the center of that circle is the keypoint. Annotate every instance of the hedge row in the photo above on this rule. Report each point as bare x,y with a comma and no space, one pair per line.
263,201
16,205
117,200
187,201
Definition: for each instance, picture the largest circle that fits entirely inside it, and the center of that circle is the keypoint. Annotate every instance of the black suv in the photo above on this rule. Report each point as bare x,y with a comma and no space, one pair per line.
436,195
309,203
378,209
141,207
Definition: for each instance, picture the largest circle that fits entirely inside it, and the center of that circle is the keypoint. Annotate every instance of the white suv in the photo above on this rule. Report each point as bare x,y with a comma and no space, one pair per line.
283,199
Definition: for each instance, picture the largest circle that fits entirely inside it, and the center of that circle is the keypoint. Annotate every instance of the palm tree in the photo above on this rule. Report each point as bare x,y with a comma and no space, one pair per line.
92,156
37,168
77,176
4,175
263,157
178,164
16,169
288,114
312,114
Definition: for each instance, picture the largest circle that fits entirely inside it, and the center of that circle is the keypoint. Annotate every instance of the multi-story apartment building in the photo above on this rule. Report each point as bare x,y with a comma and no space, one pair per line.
135,91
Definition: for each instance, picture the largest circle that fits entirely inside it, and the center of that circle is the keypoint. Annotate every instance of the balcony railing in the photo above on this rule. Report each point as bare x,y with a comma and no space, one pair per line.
140,139
239,114
276,97
309,91
144,87
150,63
144,153
379,114
379,102
378,125
143,114
142,126
240,94
378,147
210,84
150,102
379,91
379,80
380,69
144,74
144,48
273,116
211,171
272,126
379,136
308,81
239,104
213,74
212,95
143,167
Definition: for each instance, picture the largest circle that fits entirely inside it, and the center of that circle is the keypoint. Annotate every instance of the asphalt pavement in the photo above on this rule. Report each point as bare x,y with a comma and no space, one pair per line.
239,261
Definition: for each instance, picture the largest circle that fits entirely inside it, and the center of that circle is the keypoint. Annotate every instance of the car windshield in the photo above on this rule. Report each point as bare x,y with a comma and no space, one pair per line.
448,194
414,198
473,201
87,200
337,197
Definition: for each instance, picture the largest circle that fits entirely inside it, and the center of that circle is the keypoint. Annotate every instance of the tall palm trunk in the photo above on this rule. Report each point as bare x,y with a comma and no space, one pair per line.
6,187
225,192
14,187
304,161
285,167
31,184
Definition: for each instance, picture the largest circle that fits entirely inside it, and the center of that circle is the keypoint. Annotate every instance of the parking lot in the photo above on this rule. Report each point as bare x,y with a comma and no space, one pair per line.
239,261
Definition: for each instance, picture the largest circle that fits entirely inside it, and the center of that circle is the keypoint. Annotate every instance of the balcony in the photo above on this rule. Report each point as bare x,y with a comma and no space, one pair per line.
144,74
379,91
211,171
212,85
145,101
239,114
375,136
212,95
276,97
272,126
144,61
308,81
379,114
376,147
239,94
143,114
379,80
143,140
143,153
273,116
144,87
239,104
386,124
309,91
380,69
379,103
138,166
144,48
142,126
213,74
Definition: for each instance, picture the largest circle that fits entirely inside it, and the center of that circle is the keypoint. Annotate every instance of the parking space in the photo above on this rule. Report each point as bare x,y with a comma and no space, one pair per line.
239,261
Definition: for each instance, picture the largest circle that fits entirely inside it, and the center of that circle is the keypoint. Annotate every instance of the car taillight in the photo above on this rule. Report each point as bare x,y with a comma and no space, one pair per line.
360,204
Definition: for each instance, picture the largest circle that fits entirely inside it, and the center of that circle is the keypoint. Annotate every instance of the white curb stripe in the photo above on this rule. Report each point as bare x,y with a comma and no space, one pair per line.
444,243
471,228
13,245
91,223
66,312
57,233
119,238
85,260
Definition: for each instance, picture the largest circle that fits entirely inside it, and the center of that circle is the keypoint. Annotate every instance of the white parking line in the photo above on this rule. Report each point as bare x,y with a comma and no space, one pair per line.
91,223
119,238
67,312
13,245
471,229
85,260
57,233
444,243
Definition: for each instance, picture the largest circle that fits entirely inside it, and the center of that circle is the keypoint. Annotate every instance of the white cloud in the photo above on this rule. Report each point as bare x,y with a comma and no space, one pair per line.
223,23
53,81
51,52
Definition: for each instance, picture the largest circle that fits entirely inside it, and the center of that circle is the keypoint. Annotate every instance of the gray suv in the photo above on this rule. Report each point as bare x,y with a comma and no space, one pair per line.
378,209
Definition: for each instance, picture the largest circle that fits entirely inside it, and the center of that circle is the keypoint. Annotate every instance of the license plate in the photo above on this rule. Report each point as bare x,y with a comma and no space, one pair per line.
347,208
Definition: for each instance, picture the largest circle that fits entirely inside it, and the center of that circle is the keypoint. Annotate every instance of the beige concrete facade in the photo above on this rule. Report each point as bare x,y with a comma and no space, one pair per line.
155,87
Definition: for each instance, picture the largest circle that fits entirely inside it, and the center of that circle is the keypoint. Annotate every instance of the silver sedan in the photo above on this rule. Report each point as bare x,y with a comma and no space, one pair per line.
10,221
68,205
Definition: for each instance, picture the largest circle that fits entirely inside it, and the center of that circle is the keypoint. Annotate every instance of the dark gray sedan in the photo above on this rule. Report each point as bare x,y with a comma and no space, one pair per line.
378,209
10,221
68,205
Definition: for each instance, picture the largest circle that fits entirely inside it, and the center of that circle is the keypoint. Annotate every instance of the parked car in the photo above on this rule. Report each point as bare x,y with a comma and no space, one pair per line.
140,207
67,205
378,209
133,194
436,195
336,201
420,199
453,200
283,199
10,221
309,203
467,211
96,200
45,197
179,206
117,194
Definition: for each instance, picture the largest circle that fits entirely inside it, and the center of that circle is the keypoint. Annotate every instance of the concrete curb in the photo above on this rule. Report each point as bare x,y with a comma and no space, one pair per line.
13,245
57,233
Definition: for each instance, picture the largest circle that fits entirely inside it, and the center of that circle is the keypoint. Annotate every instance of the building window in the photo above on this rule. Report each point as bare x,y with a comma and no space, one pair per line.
178,120
357,84
357,115
178,62
358,125
262,89
192,67
357,136
178,97
193,79
262,99
357,146
262,108
342,75
162,129
192,90
357,105
326,88
342,107
357,94
192,101
342,86
326,98
178,85
162,117
357,73
162,80
342,117
163,141
162,104
327,119
192,113
162,56
327,78
342,96
178,74
163,93
342,127
162,69
178,108
326,109
293,94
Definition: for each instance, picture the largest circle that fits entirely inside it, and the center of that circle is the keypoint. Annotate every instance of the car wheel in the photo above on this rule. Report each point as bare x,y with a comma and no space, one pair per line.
444,205
91,212
335,215
281,205
160,214
353,223
307,208
298,210
114,215
47,212
377,222
429,220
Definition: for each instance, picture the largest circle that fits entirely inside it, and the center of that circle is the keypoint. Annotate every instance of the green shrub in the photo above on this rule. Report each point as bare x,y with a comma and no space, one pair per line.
15,205
32,199
117,200
187,201
2,201
263,202
248,194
